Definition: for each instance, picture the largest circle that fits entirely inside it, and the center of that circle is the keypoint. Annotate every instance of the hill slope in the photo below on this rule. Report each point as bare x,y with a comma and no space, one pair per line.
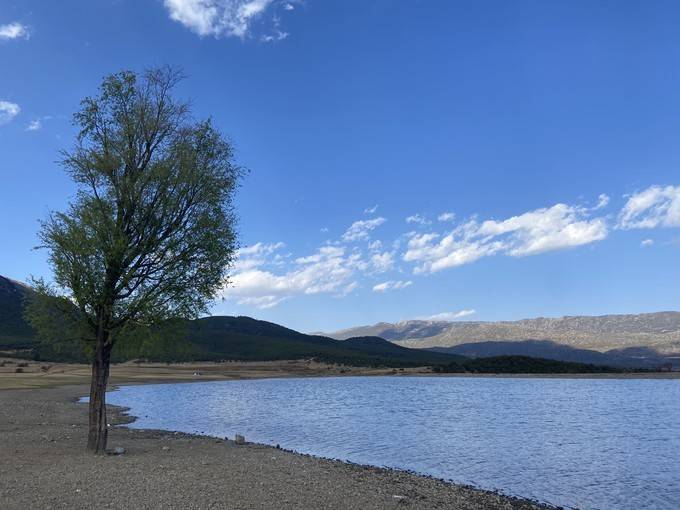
244,338
14,331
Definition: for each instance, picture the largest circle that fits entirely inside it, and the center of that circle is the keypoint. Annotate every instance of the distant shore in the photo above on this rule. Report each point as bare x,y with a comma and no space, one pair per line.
44,430
24,374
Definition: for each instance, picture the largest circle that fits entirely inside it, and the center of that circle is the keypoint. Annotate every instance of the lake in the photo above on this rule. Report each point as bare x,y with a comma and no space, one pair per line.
586,443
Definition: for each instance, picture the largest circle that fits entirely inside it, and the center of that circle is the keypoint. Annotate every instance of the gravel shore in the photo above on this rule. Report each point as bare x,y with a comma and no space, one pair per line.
43,465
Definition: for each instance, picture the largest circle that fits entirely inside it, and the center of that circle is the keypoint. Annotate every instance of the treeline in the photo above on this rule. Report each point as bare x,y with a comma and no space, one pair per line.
523,365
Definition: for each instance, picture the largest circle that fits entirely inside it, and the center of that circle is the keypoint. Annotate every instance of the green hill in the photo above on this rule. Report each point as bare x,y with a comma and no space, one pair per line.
244,338
15,333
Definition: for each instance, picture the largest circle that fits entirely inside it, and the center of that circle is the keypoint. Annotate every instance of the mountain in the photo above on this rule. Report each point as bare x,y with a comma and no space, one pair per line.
244,338
14,331
216,338
649,337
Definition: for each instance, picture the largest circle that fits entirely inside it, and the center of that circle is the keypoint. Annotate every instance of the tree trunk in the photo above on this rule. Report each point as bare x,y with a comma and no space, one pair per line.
96,440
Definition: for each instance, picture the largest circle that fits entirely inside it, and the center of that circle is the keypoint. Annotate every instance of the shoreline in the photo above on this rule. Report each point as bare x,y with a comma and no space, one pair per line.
123,418
36,374
45,432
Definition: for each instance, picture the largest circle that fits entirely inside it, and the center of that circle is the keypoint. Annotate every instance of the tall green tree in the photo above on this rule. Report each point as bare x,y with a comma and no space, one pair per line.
150,233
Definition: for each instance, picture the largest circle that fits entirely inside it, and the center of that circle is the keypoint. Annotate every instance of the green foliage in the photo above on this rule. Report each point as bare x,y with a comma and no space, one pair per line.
522,365
63,335
151,232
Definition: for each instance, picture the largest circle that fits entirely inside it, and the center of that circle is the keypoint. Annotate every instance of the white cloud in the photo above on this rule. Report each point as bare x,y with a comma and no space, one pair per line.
361,229
276,36
391,285
448,316
14,31
417,218
34,125
219,17
647,242
375,245
558,227
255,255
260,249
371,210
382,262
555,228
654,207
328,271
8,111
446,216
602,201
288,6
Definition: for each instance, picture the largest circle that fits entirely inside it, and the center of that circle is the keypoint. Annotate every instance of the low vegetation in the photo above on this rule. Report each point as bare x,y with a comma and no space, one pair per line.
522,365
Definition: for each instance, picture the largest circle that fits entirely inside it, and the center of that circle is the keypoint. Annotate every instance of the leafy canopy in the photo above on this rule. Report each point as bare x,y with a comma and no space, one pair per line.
150,233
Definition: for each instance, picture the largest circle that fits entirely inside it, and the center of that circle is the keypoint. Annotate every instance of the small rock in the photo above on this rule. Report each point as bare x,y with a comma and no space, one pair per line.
239,439
165,448
118,450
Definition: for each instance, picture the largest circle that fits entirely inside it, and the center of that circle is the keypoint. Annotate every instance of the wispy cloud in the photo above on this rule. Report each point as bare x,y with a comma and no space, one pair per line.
360,230
653,207
448,316
382,262
392,285
8,111
446,217
418,219
224,18
14,31
371,210
602,201
264,276
34,125
328,271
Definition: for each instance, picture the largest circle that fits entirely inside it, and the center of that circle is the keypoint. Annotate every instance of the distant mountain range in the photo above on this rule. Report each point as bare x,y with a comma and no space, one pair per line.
629,340
647,340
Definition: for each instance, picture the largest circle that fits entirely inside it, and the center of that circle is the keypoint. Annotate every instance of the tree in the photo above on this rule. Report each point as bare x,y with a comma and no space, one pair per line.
150,234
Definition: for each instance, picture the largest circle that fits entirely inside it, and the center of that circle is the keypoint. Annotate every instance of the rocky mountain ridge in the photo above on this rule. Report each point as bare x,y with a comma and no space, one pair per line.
659,331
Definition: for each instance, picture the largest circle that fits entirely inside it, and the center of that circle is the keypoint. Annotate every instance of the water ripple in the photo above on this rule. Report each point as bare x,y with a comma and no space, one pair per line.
587,443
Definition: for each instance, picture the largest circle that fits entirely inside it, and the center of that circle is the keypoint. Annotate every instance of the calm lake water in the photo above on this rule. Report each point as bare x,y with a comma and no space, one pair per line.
586,443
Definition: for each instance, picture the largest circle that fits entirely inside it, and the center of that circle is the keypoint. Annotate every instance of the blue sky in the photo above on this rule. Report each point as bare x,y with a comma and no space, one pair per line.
477,160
